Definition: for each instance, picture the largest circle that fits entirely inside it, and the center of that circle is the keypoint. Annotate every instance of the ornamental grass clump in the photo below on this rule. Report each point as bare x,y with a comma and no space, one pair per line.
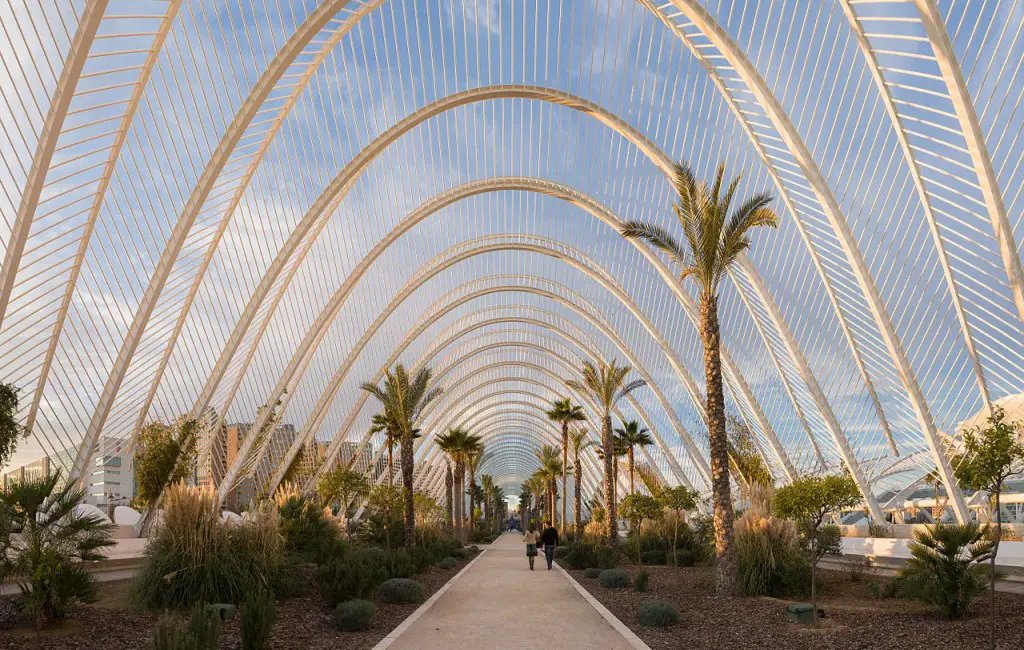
401,591
256,621
771,561
640,581
656,613
200,632
613,579
354,615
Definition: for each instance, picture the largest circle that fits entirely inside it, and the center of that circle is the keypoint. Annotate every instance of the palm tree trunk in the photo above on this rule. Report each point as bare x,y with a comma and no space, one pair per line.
576,497
448,484
410,512
632,487
609,484
391,466
725,548
472,500
460,474
565,467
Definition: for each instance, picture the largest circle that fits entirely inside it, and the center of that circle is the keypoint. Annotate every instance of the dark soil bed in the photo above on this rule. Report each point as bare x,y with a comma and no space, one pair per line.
853,618
305,623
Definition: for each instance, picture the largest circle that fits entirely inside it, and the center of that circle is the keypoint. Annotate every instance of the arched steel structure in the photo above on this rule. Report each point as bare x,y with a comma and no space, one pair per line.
208,211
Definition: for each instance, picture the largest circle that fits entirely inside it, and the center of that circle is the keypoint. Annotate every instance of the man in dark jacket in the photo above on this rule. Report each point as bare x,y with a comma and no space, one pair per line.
549,537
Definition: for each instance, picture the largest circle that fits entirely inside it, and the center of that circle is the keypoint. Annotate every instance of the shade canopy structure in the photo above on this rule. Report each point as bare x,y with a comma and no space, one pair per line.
212,208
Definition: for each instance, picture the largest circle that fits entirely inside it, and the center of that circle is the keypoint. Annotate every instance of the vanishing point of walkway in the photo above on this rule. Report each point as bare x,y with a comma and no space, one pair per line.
499,603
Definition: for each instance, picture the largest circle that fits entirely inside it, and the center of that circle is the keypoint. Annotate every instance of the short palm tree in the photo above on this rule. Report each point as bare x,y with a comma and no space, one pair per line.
564,412
487,483
551,468
579,440
537,487
716,233
404,398
525,496
607,384
458,444
632,435
474,454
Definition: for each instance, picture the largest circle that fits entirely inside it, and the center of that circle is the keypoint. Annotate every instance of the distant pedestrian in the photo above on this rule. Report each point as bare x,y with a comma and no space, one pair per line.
531,545
549,537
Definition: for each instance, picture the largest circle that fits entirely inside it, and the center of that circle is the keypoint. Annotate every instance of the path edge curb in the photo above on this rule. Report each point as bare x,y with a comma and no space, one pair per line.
628,634
422,609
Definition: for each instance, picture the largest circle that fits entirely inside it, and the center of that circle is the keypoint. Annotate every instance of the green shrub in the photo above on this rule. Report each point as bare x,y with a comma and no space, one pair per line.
613,579
474,549
401,591
684,558
195,557
948,567
354,615
355,575
447,563
201,632
256,620
656,613
592,573
561,552
307,533
656,556
640,581
399,564
52,541
460,554
581,555
607,557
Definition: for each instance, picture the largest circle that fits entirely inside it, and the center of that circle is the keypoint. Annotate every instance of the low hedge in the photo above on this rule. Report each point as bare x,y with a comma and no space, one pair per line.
592,573
447,563
401,591
656,613
354,615
656,556
684,558
613,579
561,552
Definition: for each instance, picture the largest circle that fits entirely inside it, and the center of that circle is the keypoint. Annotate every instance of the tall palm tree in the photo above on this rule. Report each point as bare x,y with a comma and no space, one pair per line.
525,496
537,488
579,440
716,234
487,483
551,468
565,412
474,454
404,398
449,484
607,384
458,443
631,435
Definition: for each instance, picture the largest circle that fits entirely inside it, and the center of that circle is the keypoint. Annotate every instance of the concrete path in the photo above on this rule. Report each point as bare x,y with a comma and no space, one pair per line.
499,603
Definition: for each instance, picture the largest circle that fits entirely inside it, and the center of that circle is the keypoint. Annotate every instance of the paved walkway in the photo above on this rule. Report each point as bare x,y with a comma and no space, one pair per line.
499,603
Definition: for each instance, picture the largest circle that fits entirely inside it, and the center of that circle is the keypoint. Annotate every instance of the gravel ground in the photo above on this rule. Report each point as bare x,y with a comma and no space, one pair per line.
302,623
853,619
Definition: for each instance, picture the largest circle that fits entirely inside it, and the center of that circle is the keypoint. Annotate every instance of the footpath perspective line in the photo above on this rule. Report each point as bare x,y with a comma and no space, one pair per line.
612,619
422,609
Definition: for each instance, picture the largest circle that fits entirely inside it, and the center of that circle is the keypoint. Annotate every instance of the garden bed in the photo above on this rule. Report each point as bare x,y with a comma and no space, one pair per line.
304,623
854,619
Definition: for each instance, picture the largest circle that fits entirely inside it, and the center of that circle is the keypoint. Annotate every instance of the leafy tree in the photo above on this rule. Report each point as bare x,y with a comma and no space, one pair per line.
607,384
344,485
404,398
947,567
10,430
631,435
579,441
716,232
564,412
680,499
49,544
636,508
991,456
807,501
164,455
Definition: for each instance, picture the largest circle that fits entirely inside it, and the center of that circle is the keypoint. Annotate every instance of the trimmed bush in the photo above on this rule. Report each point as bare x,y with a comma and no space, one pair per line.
561,552
613,579
460,554
354,575
607,557
399,564
656,556
257,620
401,591
657,613
447,563
592,573
640,581
474,549
684,558
354,615
580,555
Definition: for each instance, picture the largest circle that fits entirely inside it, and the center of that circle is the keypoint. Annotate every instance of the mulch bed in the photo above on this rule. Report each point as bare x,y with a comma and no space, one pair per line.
853,618
304,623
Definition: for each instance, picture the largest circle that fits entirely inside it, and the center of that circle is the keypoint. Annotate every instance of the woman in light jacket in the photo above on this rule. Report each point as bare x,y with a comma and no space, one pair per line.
530,538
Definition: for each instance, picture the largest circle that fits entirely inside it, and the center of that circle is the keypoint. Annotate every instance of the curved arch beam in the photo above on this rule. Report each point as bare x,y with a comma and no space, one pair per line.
700,17
88,25
250,107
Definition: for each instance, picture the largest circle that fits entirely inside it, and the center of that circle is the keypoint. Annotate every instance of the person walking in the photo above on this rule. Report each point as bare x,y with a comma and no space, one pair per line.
531,545
549,537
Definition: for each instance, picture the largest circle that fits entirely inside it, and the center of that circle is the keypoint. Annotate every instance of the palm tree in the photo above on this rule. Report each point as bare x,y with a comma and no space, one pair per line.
451,444
607,384
538,486
403,399
487,483
579,441
565,412
716,234
474,454
551,468
632,435
525,495
449,484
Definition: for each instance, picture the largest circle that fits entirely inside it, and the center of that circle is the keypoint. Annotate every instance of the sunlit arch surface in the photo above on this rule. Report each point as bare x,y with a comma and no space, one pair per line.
205,212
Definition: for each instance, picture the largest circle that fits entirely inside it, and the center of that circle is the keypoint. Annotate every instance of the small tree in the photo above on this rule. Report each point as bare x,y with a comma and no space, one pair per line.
164,455
637,507
344,485
680,500
990,457
10,430
807,501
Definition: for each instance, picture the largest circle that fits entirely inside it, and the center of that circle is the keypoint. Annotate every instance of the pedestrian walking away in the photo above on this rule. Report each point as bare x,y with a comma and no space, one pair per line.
549,537
530,538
